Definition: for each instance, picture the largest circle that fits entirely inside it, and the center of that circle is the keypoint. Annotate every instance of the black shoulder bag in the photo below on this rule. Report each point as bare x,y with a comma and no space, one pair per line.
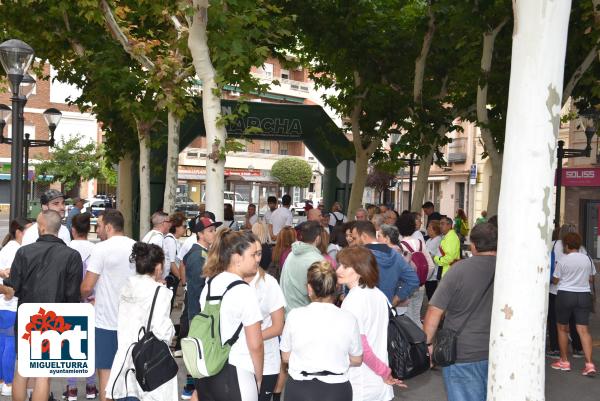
152,360
444,343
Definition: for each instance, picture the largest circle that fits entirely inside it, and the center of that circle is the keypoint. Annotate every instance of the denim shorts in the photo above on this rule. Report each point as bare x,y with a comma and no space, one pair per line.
466,381
106,348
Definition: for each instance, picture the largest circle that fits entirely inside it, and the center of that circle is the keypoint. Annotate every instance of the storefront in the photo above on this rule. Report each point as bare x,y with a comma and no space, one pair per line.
582,204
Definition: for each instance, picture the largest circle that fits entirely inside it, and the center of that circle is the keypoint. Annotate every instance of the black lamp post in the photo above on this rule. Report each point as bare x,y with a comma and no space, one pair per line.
590,118
412,162
16,57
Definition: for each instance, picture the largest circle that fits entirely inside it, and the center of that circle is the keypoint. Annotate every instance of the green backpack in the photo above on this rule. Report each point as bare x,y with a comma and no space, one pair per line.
204,354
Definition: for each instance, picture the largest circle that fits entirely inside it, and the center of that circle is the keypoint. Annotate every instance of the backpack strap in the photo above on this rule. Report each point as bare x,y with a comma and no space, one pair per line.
408,246
152,309
236,335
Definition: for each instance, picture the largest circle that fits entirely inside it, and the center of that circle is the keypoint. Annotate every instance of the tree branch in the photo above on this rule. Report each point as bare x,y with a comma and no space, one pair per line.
77,47
119,35
579,72
421,60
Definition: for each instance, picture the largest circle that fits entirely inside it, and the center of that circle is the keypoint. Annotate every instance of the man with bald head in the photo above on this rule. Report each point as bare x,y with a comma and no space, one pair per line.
45,271
314,215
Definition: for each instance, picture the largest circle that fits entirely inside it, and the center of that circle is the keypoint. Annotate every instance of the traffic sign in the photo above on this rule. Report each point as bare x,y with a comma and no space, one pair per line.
345,171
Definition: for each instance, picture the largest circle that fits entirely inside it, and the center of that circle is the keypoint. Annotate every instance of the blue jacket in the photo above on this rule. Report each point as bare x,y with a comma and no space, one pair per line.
396,276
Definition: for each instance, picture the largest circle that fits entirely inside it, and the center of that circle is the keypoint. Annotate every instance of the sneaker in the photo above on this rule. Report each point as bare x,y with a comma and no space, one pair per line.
91,392
65,394
577,354
187,392
70,394
177,353
561,365
51,397
6,390
553,354
589,370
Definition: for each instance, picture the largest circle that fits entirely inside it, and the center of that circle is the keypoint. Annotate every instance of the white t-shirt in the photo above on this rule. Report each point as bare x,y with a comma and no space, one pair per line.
186,246
573,272
170,245
339,215
7,255
232,224
559,253
84,247
239,305
110,260
157,238
419,236
433,247
320,336
253,219
280,218
267,216
270,299
370,307
32,234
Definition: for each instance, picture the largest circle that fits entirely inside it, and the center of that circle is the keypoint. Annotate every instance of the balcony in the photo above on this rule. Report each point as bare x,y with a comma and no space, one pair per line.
457,150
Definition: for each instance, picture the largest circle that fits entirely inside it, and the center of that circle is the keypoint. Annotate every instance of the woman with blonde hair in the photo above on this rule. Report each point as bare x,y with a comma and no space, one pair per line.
320,342
232,258
261,231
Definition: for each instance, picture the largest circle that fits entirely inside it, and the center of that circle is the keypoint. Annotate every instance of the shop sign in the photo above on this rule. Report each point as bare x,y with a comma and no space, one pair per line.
228,171
581,177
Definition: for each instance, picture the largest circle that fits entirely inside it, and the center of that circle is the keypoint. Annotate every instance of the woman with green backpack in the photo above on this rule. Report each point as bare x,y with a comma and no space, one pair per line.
232,259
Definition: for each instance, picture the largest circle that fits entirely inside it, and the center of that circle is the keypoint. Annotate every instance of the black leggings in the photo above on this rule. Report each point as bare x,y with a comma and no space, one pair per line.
316,390
267,386
230,384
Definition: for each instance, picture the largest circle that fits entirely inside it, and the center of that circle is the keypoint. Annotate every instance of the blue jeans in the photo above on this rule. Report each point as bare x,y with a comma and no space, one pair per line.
466,381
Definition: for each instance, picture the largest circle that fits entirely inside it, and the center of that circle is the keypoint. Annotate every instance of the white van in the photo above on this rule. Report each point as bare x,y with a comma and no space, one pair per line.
240,205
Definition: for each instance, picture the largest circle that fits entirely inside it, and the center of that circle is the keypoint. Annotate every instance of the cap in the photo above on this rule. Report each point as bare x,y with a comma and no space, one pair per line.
204,222
50,195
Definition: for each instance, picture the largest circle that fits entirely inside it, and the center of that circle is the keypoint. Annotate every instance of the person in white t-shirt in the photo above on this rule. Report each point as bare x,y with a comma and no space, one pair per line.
233,257
108,269
573,275
271,207
320,342
8,304
281,217
408,245
251,217
358,270
50,200
272,304
336,216
161,223
80,228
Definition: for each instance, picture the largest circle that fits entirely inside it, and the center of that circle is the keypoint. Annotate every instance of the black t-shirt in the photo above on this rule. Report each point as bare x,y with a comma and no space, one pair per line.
461,292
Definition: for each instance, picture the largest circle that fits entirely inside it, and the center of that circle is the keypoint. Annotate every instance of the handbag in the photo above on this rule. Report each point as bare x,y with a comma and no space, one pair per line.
154,365
444,343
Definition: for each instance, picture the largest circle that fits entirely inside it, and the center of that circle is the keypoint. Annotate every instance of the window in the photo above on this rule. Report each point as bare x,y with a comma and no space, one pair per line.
283,148
285,74
265,146
268,70
27,129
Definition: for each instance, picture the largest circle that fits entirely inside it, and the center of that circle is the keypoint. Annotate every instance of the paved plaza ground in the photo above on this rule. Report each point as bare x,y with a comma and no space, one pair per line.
429,386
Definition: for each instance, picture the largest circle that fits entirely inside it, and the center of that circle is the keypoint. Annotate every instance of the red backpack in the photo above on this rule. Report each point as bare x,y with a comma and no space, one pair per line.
417,260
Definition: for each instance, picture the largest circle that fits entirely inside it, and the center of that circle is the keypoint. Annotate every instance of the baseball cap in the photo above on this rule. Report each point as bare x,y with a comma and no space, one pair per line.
203,223
50,195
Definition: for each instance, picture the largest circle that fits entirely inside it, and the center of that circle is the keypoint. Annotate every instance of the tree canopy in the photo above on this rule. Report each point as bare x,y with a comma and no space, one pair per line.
292,172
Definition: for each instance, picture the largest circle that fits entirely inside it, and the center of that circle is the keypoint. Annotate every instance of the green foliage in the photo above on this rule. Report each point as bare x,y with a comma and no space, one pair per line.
292,172
72,161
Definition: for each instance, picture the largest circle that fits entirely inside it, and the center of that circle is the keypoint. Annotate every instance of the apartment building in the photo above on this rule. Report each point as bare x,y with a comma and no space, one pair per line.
46,94
248,172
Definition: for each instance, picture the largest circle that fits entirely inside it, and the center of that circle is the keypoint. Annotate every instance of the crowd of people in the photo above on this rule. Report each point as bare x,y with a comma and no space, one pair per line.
313,319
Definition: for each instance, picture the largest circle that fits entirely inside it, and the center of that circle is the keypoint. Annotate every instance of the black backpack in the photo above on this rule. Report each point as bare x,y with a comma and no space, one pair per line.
152,359
407,347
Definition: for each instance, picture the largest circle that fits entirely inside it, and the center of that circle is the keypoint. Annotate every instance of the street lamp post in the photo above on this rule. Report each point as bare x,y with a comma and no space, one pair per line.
16,57
590,118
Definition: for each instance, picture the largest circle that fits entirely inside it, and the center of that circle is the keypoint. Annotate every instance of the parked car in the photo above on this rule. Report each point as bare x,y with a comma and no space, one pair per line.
187,206
239,203
96,205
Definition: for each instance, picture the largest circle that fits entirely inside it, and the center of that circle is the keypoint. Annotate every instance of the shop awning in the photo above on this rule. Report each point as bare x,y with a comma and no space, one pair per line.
251,178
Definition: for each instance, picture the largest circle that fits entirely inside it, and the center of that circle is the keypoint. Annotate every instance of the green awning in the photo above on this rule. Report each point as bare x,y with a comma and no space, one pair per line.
292,122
